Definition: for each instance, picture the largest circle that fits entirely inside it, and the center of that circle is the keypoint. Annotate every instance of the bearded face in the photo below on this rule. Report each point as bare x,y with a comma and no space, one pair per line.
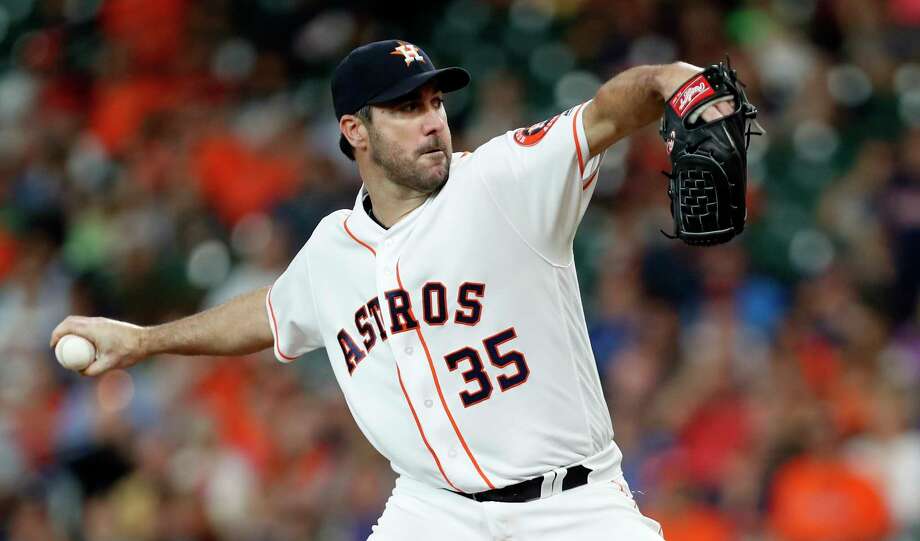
422,167
409,140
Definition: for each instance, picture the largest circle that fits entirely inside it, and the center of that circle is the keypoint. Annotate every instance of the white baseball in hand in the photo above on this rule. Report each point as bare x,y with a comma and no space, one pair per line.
74,352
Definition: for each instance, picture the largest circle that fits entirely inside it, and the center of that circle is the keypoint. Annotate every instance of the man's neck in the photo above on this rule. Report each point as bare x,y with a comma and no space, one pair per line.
390,202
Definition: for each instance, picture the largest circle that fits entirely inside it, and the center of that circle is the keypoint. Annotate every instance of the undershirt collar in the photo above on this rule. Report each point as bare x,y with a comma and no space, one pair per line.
368,207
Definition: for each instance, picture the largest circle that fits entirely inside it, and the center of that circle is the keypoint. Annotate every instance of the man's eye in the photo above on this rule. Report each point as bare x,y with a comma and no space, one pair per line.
409,107
438,103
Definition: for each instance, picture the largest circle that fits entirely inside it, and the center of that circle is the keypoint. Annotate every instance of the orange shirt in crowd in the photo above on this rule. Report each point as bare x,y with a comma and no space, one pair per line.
8,251
695,522
151,32
237,180
817,499
120,108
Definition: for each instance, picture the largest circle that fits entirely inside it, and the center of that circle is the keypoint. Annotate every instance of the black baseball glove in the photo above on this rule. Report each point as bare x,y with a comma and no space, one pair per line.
708,177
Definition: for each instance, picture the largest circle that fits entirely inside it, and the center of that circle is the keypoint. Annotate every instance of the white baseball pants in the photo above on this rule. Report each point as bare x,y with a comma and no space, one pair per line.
595,511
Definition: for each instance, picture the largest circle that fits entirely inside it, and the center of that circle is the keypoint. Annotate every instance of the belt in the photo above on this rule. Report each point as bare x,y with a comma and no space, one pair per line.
532,489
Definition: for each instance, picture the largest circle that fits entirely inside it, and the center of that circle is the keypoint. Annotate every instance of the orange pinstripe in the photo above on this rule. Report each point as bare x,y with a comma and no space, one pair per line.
437,385
422,432
356,239
271,310
590,180
581,160
418,423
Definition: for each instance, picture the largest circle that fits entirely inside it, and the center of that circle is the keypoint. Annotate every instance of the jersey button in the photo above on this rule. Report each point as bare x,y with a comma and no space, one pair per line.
409,350
452,453
428,403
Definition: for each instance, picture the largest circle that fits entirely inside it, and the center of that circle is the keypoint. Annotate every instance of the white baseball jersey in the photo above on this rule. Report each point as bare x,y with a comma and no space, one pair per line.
458,335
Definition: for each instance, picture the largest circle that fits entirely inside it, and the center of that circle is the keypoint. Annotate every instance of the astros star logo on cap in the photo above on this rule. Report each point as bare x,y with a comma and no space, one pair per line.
410,52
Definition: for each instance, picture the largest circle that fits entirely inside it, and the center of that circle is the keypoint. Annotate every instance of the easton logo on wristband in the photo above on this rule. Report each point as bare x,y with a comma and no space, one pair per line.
693,91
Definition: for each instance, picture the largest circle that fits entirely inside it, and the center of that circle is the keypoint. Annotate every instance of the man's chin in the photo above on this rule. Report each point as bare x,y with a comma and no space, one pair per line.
436,180
435,183
438,174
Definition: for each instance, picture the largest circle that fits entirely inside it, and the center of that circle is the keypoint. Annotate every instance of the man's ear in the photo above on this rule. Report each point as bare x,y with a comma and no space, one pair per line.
354,131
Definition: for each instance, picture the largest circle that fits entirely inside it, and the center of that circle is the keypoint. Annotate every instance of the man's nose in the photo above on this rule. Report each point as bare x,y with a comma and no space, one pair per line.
433,122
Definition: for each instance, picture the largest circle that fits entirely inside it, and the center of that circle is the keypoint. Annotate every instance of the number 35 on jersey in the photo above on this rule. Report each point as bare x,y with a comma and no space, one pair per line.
510,364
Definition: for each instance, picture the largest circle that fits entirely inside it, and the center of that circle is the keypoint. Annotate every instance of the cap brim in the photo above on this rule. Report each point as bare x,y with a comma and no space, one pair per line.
446,79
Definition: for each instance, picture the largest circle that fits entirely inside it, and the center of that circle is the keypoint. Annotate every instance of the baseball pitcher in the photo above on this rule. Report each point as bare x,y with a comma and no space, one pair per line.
448,301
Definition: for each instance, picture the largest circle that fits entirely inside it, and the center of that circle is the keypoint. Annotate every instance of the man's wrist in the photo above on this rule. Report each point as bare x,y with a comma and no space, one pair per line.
669,77
145,342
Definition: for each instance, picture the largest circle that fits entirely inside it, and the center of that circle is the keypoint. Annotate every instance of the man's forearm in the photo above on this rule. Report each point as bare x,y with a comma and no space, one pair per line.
632,99
238,327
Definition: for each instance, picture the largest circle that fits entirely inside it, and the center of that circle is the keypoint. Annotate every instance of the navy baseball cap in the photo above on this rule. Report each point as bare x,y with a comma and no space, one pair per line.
382,72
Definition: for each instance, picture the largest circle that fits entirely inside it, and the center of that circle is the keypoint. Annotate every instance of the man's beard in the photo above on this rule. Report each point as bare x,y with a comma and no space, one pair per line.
406,171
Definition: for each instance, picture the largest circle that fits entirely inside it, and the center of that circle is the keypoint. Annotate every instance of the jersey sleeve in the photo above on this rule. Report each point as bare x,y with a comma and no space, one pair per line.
292,311
542,180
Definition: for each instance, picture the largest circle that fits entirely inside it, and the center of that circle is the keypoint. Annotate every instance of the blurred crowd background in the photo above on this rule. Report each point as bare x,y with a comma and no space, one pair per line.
159,157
